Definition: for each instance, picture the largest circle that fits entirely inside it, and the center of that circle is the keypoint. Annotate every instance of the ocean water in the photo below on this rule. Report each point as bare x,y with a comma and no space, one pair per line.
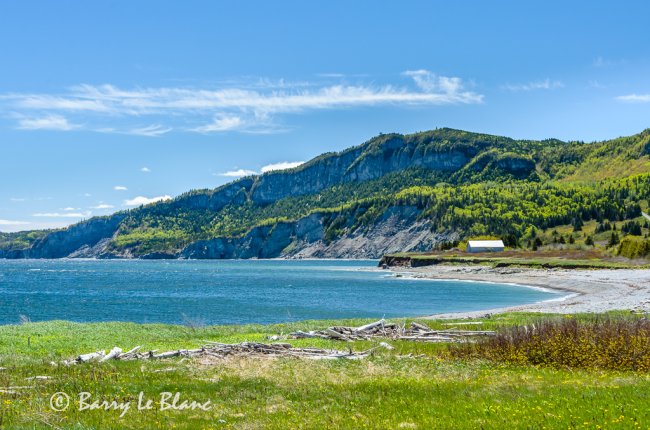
233,292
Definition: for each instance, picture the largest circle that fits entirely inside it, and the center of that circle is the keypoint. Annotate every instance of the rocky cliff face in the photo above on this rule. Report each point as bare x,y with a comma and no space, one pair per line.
397,230
362,163
74,240
270,241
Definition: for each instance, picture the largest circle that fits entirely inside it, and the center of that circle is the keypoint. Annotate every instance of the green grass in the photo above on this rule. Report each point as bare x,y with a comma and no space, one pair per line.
385,391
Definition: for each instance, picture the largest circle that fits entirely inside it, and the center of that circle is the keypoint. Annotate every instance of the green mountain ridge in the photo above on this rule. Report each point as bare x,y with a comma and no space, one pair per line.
392,193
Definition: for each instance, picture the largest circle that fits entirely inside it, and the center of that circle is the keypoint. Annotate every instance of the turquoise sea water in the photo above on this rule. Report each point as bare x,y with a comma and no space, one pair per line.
232,292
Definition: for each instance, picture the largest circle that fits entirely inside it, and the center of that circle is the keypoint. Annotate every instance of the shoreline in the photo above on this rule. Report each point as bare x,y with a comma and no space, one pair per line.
598,290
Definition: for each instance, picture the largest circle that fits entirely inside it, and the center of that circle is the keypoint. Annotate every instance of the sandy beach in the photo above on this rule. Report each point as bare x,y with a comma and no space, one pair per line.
586,290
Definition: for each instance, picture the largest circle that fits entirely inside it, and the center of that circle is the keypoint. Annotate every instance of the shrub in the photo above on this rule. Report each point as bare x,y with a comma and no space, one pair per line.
634,248
604,343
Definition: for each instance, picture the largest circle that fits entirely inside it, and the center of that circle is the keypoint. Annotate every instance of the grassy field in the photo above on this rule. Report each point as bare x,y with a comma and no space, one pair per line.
413,386
548,258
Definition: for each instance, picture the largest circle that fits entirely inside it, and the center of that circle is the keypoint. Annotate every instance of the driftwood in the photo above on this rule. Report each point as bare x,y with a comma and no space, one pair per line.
91,356
374,331
370,326
382,329
222,350
112,354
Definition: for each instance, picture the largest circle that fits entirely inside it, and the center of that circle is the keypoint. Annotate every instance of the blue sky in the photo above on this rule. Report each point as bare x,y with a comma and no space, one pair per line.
107,105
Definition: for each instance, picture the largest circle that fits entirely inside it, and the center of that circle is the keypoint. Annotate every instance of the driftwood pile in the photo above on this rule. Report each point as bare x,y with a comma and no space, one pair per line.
374,331
382,329
222,350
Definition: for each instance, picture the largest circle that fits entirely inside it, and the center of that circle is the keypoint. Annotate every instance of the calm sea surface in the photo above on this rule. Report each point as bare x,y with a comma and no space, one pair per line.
232,292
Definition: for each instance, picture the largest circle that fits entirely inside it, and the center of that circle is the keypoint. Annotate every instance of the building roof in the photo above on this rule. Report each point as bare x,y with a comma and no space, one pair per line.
485,243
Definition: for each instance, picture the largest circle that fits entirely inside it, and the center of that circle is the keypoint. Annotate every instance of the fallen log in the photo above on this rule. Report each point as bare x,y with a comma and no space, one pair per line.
114,353
370,326
335,334
91,356
418,326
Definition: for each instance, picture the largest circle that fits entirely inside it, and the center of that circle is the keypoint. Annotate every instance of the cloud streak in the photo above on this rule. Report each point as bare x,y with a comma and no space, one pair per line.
281,166
634,98
153,130
6,222
221,123
238,173
7,225
546,84
141,200
231,107
49,122
268,168
63,214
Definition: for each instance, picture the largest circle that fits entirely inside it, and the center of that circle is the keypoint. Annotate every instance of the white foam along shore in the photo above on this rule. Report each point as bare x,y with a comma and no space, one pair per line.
597,290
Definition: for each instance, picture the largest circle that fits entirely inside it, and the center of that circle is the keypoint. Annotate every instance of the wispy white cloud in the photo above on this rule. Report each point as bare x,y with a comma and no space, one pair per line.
145,170
102,206
85,214
17,199
330,75
12,225
120,188
430,82
141,200
7,222
634,98
281,166
546,84
221,123
236,106
62,103
600,62
9,226
153,130
70,208
238,173
49,122
46,223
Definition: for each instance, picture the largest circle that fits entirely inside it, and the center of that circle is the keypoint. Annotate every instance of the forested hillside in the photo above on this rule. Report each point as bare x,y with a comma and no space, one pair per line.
392,193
